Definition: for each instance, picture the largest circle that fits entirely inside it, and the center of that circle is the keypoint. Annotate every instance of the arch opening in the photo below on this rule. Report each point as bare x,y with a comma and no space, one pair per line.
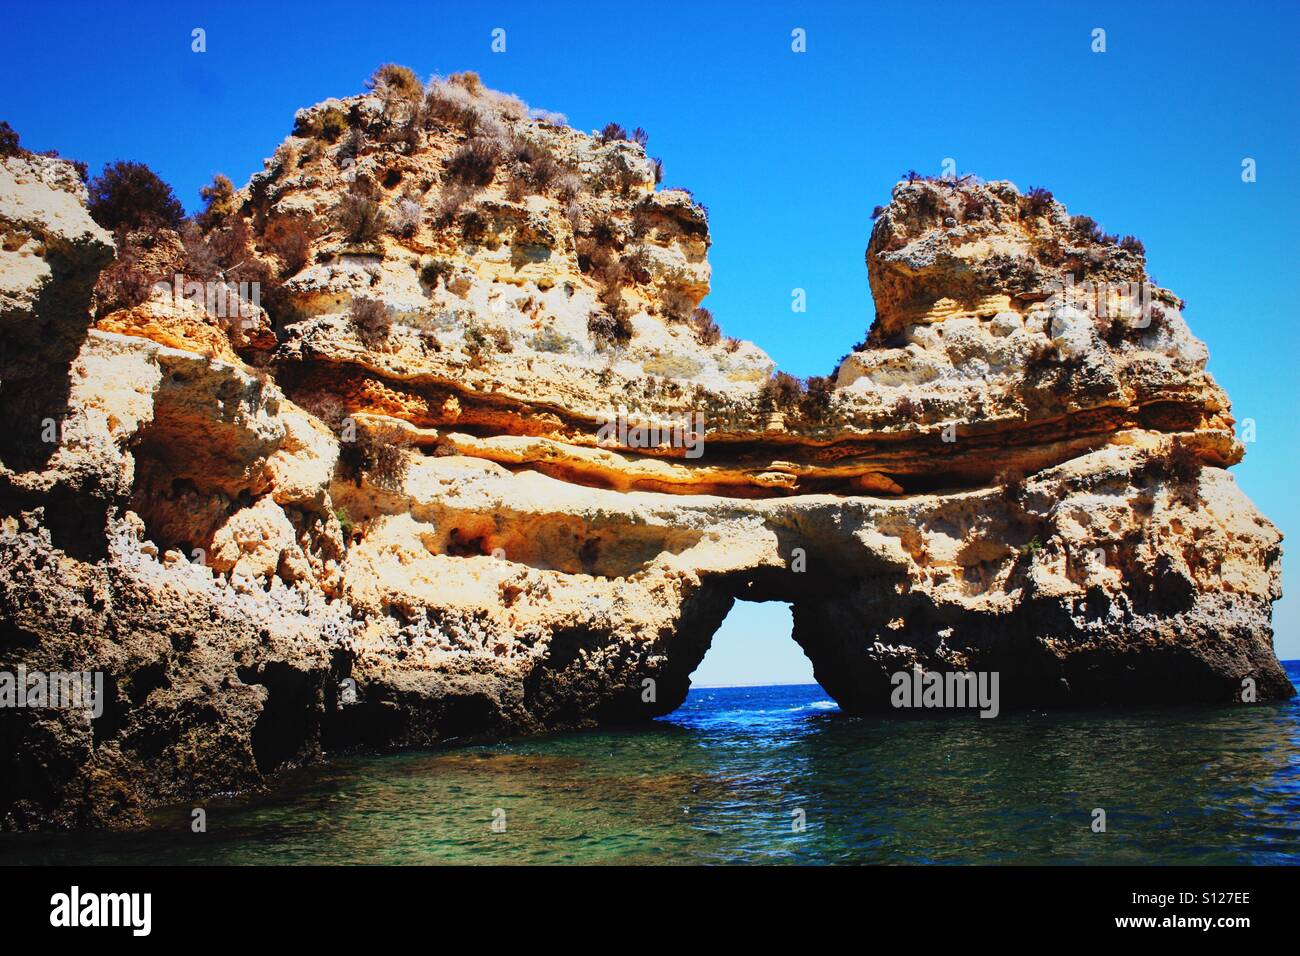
754,647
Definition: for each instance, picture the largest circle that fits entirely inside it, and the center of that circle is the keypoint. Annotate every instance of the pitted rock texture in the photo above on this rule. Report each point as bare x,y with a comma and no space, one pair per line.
325,525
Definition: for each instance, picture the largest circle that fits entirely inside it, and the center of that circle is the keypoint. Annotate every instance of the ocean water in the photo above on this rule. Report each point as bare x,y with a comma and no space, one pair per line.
774,775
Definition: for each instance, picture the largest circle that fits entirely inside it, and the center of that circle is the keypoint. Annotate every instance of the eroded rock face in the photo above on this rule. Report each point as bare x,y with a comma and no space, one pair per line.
322,527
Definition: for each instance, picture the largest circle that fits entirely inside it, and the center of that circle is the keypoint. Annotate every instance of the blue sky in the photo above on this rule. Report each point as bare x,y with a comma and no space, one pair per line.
790,152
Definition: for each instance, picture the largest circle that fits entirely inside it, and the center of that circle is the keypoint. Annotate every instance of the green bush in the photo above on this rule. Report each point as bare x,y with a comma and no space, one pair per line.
610,328
782,392
815,405
474,164
611,133
397,86
219,201
132,196
549,340
345,522
328,124
370,317
361,218
1178,463
435,270
291,240
8,141
1085,229
706,330
1133,245
906,409
540,168
378,454
1037,201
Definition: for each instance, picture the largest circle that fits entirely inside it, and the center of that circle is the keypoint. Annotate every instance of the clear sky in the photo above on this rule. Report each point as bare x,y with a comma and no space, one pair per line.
789,151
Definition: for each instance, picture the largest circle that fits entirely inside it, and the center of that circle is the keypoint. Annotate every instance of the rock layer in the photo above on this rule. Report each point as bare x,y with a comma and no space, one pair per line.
327,525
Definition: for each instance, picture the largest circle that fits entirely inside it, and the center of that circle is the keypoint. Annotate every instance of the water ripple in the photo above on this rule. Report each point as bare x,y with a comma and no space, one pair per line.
730,776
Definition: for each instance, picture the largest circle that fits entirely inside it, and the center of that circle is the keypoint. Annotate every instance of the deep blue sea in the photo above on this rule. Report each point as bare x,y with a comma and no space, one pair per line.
774,775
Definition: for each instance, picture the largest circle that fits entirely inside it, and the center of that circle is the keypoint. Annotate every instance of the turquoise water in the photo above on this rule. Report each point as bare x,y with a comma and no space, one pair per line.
723,778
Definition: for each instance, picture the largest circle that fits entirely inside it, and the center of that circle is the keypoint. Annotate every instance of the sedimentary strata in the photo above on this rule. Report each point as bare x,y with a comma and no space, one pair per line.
381,508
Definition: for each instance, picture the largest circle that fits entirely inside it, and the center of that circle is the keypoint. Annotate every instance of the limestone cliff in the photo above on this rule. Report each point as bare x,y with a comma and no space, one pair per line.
382,507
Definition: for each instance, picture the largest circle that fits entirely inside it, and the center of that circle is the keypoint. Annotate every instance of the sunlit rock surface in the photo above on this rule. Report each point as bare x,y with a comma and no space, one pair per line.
312,527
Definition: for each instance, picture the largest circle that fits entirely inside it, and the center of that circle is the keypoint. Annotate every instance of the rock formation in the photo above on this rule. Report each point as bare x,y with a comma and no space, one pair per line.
391,506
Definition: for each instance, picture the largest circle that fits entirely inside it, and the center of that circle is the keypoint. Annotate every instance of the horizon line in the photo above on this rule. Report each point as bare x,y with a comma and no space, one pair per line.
693,686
